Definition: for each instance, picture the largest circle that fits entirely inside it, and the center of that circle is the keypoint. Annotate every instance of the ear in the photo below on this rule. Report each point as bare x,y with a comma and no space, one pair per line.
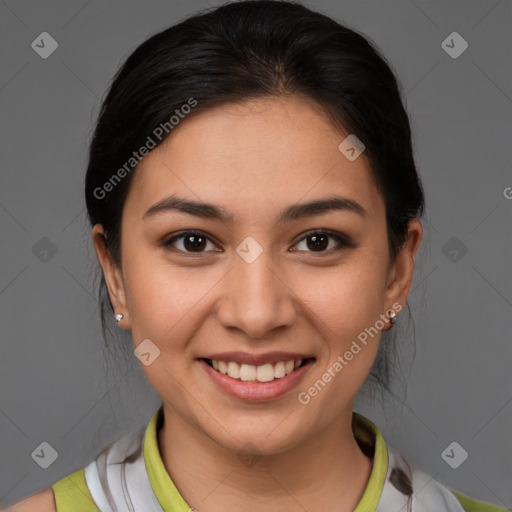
401,271
113,276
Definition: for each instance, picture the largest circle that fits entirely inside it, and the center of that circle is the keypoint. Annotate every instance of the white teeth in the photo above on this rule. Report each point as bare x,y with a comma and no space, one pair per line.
279,370
233,370
265,373
248,372
223,367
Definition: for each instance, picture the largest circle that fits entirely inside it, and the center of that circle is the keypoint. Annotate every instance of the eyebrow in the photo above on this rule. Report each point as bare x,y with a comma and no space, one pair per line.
291,213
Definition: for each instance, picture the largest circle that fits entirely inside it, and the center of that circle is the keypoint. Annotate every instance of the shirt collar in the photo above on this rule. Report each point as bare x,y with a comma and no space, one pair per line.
366,434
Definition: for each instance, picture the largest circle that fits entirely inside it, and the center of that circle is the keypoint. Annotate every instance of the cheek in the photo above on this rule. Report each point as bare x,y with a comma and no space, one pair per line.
166,303
346,299
345,307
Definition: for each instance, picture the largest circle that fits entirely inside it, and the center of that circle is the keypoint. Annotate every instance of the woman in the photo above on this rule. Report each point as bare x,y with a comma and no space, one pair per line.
255,208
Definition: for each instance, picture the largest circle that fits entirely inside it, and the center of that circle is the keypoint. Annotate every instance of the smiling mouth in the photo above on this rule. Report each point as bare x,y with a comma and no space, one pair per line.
263,373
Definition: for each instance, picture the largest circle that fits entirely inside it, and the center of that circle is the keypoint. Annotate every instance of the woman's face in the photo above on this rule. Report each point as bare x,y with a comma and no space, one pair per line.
255,288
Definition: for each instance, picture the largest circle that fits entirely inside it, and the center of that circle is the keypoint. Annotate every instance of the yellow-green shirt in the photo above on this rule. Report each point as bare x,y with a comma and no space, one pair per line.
392,481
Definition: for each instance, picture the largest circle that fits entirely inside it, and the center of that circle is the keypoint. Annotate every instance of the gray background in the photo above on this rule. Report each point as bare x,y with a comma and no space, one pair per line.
55,385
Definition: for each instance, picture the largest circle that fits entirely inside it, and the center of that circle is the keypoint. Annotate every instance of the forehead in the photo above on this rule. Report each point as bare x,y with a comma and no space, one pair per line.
263,152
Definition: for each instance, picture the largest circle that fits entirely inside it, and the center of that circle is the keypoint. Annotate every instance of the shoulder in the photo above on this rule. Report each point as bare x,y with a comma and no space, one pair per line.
431,491
72,494
43,501
423,493
472,505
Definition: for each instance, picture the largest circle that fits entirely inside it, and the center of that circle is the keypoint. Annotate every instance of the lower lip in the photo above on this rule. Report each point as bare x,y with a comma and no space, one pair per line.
256,391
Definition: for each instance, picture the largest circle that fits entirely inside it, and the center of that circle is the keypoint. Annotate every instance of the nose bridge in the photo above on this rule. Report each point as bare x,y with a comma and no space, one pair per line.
256,299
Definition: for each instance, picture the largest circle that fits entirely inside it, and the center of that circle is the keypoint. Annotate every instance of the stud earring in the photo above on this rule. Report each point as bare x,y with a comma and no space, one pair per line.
392,317
119,317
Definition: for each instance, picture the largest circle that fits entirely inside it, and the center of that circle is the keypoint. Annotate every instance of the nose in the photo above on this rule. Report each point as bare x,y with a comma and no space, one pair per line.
257,299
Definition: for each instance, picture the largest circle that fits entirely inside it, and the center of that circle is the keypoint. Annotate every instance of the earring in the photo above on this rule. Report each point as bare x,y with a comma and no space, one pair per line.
119,317
392,317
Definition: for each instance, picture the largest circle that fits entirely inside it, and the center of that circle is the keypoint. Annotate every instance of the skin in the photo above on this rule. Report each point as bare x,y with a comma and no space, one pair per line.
254,159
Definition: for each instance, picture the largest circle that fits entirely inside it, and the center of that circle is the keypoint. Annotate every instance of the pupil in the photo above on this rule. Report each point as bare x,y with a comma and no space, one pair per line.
197,242
318,241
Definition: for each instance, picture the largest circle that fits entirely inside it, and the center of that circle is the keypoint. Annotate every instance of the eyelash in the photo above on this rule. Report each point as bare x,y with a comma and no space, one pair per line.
342,241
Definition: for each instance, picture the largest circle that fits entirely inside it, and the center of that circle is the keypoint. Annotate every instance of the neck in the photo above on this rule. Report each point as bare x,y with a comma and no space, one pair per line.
326,472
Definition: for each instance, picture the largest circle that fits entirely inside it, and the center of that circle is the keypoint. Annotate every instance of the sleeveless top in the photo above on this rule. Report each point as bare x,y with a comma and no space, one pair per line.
129,476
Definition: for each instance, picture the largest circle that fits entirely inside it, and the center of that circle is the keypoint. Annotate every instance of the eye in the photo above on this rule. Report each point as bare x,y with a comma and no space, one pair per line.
190,241
320,241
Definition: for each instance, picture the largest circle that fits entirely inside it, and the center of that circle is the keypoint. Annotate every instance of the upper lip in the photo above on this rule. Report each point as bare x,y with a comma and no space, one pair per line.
257,359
